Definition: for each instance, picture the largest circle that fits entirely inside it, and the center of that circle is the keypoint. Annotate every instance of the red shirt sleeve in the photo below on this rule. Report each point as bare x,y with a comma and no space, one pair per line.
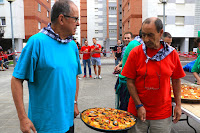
178,70
129,70
82,49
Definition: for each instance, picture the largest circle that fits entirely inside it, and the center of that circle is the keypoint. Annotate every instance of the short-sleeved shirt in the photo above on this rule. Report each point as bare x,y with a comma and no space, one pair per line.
51,68
196,67
152,81
5,56
1,55
123,51
198,51
118,51
130,46
96,55
86,56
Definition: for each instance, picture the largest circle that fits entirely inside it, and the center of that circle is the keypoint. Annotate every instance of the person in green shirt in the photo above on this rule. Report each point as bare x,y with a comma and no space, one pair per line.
196,68
197,42
122,93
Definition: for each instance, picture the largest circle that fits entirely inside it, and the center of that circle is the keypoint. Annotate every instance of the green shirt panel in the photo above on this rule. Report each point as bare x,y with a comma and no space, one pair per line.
196,67
130,46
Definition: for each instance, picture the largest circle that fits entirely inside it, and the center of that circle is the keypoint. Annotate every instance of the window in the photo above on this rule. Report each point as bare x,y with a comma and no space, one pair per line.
96,31
96,24
120,5
96,16
112,16
179,20
112,38
120,20
3,21
39,25
161,18
123,28
96,2
128,24
129,7
39,7
96,9
112,31
180,1
112,23
112,0
112,8
47,14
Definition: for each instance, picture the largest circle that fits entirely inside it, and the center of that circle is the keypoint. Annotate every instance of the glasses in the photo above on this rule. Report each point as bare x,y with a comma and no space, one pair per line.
75,18
152,82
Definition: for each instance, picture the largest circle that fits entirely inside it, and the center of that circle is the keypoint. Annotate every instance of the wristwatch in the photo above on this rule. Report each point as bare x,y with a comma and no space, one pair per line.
75,102
138,106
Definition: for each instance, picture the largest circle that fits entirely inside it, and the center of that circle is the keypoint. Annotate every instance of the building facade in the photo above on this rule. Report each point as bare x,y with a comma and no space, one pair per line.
83,21
132,16
181,20
96,21
119,20
18,24
37,14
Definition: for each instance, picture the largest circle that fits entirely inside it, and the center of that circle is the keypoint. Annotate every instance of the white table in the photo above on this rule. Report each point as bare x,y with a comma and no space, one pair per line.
190,110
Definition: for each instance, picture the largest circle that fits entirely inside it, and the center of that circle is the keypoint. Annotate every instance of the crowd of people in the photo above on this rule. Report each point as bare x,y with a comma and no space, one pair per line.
3,59
145,64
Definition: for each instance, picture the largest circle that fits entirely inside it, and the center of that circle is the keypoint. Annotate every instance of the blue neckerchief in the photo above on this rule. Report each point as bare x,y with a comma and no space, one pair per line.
49,32
137,38
161,54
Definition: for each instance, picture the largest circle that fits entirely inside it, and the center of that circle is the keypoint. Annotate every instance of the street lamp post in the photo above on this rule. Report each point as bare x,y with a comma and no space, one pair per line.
164,2
13,43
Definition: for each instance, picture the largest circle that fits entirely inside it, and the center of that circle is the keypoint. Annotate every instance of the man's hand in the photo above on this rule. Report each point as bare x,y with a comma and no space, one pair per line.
26,125
141,112
76,111
117,68
198,81
177,114
115,58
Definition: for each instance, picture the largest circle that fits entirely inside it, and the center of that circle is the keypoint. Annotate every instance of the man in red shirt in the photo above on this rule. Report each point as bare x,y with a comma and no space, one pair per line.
148,70
1,59
96,58
85,50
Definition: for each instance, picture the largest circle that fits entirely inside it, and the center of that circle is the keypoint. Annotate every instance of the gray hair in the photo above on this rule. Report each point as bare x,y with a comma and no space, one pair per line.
157,22
60,7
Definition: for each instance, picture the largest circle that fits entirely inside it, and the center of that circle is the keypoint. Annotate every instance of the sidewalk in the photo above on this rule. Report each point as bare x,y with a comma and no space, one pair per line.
92,93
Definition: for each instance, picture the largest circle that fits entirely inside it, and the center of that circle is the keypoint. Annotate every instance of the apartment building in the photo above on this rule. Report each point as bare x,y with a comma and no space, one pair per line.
181,20
37,14
132,16
18,24
119,19
104,21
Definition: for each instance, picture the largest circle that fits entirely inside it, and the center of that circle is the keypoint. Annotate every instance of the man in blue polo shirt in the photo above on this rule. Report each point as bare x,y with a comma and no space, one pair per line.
50,63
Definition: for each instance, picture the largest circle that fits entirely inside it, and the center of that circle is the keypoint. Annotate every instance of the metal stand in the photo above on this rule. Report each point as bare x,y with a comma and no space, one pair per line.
187,119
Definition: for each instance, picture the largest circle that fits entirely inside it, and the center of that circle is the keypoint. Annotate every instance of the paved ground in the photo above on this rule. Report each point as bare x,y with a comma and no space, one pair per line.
93,93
